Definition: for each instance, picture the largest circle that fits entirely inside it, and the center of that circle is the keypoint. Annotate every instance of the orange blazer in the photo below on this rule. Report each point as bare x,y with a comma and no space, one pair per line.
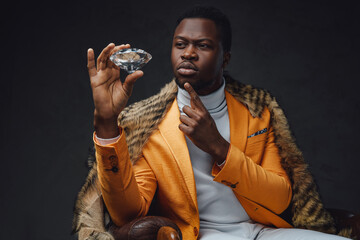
252,169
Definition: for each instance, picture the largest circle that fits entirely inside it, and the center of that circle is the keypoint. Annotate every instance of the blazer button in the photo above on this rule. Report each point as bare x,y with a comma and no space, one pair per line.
196,231
115,169
113,161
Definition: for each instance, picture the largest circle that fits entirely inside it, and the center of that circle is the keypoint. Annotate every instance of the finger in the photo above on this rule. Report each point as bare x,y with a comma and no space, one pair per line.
195,100
191,113
91,62
104,56
130,80
188,121
119,47
185,129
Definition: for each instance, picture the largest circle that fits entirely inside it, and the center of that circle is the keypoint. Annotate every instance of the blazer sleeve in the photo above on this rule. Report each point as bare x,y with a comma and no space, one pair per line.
265,183
127,189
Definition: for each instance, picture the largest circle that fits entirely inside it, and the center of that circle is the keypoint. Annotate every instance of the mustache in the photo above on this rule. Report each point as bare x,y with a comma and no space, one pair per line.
187,65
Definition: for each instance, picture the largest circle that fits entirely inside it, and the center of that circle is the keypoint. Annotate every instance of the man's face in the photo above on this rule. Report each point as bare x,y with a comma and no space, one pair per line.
197,55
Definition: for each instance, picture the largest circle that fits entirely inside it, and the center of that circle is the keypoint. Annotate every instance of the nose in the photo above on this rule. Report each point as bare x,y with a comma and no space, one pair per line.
189,53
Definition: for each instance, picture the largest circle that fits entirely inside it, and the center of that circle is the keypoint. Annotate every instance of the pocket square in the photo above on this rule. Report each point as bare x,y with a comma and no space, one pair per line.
258,133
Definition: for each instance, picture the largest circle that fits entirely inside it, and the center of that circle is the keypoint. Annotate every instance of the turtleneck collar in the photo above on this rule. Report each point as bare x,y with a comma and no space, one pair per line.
213,101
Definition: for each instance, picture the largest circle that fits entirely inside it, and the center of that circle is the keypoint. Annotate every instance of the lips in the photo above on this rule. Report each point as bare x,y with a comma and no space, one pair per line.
186,68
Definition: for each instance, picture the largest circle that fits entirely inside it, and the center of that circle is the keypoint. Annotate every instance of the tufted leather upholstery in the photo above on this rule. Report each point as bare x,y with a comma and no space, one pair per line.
147,228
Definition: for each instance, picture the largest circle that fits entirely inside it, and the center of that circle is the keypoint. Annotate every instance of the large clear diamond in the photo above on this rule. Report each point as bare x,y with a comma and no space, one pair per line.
130,59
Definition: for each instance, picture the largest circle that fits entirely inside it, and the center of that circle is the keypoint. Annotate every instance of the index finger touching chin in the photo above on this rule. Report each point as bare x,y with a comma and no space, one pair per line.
195,99
190,89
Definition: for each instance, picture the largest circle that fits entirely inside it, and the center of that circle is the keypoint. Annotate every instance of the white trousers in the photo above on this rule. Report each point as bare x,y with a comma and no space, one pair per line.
255,231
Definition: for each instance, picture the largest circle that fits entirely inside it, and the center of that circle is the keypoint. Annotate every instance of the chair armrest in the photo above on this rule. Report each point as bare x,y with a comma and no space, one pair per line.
147,228
167,233
346,219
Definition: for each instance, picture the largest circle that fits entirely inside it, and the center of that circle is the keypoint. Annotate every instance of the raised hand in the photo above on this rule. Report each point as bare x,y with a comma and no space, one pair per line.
110,95
200,127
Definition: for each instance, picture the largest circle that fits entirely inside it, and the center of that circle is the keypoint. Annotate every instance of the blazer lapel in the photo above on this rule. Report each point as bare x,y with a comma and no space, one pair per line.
175,139
239,122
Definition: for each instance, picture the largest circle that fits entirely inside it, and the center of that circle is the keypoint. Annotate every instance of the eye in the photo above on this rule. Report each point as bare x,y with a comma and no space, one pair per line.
203,45
180,44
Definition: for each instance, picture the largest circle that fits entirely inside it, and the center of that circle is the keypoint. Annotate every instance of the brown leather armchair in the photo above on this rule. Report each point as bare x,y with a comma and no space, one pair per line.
160,228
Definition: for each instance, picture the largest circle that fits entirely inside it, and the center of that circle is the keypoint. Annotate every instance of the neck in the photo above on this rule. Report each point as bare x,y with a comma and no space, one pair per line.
212,88
211,101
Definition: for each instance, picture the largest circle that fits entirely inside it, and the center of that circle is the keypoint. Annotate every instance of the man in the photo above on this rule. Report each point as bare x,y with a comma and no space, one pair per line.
210,156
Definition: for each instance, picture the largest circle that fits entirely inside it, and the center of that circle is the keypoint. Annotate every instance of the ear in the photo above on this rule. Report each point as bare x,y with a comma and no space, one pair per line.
226,59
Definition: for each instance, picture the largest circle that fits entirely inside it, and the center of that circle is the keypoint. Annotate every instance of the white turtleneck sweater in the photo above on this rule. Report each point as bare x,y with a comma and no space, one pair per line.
218,206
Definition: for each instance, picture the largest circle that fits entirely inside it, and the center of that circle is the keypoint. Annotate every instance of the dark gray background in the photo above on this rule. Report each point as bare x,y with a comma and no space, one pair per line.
305,52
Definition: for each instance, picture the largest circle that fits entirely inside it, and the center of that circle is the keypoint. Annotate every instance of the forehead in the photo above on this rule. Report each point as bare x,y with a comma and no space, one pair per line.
197,28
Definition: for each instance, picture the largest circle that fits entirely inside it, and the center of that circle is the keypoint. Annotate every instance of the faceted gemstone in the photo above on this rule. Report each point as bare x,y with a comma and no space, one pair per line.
130,59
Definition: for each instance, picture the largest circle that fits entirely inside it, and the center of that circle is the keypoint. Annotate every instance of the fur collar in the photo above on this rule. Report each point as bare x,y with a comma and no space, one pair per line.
140,119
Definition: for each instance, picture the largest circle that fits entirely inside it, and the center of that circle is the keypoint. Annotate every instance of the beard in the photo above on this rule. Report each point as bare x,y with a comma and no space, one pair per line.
196,85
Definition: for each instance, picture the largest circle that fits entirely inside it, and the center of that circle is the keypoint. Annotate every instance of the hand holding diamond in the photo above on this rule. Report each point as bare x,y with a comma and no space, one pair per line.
110,95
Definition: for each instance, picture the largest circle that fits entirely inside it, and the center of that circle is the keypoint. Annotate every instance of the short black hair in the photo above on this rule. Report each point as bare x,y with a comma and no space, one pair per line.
220,19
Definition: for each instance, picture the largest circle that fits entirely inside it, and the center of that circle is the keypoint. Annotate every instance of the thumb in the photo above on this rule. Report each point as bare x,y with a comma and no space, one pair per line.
130,80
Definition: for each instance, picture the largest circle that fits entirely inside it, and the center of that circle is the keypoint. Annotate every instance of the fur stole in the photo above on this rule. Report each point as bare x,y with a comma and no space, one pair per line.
141,118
